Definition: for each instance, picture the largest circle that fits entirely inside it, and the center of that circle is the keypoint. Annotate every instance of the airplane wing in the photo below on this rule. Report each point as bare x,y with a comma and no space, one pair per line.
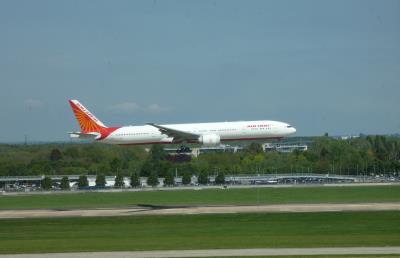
176,134
87,136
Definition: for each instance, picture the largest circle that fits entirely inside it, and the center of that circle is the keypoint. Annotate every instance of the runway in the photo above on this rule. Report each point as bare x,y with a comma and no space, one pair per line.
219,252
182,210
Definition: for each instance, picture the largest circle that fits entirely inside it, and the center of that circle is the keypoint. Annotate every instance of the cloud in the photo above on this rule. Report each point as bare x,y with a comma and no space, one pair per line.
131,107
126,107
155,108
34,104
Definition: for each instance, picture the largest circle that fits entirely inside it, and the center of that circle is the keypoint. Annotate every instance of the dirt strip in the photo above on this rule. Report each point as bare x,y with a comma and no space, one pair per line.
219,252
323,207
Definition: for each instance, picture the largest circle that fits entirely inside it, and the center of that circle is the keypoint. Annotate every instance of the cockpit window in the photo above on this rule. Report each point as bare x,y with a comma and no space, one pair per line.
289,126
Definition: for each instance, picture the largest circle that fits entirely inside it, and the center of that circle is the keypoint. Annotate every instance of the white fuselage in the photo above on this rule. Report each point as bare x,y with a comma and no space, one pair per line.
227,131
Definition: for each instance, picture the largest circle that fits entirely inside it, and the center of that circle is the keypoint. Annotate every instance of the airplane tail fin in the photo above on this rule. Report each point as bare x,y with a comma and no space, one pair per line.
86,120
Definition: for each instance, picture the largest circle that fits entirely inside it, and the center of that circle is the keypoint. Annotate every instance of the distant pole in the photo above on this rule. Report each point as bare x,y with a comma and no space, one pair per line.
26,139
258,195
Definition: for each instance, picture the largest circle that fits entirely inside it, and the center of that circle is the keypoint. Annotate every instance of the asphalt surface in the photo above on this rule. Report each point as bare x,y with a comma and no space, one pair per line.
219,252
171,210
180,188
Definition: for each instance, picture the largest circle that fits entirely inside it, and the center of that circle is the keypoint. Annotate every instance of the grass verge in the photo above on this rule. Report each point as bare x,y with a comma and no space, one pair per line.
333,229
233,196
320,256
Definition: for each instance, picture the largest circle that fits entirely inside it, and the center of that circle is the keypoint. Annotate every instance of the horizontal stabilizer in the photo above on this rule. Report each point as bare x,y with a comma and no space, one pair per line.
84,136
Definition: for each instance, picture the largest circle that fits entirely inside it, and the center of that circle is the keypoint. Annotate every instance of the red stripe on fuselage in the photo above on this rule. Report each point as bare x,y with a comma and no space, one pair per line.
146,143
104,132
251,139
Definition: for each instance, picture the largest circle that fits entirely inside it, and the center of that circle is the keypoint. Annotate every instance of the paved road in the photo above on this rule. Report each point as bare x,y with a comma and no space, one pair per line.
219,252
7,214
183,188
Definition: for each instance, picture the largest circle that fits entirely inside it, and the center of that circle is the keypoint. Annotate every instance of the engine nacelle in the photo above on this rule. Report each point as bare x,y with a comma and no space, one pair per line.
210,139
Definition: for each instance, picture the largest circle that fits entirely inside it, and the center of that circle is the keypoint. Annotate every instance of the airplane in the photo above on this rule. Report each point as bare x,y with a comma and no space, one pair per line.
208,134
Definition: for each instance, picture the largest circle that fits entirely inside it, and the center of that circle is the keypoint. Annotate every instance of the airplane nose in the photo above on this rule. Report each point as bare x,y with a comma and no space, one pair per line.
293,130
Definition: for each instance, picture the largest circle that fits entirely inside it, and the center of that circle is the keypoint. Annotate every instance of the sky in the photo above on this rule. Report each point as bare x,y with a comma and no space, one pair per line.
322,66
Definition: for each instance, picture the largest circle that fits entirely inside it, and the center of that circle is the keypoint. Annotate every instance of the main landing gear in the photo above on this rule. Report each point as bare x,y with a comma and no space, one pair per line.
183,149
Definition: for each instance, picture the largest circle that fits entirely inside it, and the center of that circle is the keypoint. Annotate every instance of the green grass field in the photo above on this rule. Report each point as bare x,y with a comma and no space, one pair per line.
200,232
206,196
320,256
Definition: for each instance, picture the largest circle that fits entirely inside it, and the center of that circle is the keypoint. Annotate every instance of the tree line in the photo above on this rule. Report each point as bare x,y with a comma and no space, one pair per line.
363,155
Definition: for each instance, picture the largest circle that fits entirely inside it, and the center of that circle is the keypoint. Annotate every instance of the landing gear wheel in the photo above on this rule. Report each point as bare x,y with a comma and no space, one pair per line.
184,149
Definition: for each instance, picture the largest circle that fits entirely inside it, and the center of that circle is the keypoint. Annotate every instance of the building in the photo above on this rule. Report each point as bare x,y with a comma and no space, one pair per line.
284,147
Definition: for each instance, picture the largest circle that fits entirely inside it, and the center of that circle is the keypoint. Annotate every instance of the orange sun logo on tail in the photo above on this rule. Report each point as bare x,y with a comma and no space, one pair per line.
87,121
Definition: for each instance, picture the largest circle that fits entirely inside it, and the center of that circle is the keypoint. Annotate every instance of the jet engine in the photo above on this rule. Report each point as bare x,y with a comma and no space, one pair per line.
210,139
